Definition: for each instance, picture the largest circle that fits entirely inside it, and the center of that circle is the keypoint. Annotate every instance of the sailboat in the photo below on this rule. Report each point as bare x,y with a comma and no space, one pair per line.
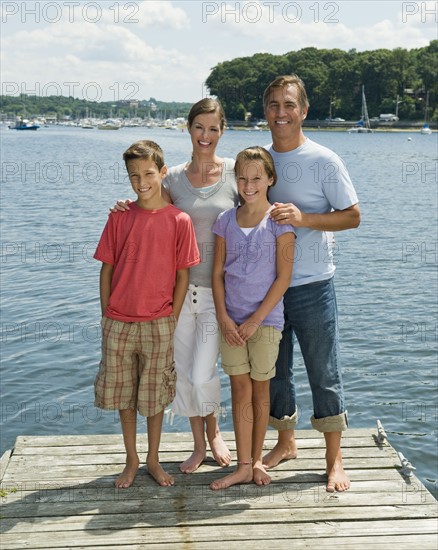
110,124
363,125
426,130
87,123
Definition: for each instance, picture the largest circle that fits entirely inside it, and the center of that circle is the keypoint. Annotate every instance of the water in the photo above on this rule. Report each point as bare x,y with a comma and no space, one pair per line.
57,186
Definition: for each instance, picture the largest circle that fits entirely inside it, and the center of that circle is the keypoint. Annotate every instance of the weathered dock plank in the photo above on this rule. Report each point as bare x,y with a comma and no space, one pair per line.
58,492
4,461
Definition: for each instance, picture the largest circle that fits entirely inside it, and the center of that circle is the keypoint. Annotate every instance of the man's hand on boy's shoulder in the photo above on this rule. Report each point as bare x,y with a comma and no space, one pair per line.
121,206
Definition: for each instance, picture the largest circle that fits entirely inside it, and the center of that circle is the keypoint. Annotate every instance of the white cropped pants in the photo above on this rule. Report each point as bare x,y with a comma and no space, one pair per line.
196,342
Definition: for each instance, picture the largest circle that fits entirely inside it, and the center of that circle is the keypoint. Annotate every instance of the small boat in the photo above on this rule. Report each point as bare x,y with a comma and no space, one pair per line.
87,122
359,129
24,124
363,125
110,124
87,125
426,130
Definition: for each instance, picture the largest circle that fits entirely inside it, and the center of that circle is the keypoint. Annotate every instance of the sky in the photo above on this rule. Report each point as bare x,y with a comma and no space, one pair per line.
120,50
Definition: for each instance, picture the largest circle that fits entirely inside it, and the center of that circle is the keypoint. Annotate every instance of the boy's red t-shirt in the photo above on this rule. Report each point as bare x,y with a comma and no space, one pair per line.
146,248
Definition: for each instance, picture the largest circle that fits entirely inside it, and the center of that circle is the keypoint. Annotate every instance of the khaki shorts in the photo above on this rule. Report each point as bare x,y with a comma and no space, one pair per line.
137,369
257,358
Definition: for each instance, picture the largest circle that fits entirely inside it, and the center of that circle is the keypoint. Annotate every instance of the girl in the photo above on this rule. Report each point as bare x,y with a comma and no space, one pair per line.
252,270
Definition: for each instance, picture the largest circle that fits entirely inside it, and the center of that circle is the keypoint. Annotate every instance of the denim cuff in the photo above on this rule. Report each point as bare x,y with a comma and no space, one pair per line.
338,423
284,423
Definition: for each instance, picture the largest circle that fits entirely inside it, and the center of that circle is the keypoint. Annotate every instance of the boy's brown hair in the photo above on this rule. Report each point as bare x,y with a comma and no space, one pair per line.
145,149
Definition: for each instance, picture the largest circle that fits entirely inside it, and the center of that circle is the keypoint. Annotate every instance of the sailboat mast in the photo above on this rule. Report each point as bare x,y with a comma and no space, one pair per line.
364,109
426,107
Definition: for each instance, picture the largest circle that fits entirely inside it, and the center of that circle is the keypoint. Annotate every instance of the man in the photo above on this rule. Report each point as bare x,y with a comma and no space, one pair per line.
313,193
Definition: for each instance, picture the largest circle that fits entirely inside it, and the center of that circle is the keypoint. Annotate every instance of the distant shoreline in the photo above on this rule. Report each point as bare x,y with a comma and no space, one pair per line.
339,125
316,128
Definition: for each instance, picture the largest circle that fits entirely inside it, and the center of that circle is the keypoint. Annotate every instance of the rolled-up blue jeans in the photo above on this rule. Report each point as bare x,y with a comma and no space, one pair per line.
310,312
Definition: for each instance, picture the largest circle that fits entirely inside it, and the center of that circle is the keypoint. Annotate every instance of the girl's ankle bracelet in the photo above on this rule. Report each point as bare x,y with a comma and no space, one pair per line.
244,463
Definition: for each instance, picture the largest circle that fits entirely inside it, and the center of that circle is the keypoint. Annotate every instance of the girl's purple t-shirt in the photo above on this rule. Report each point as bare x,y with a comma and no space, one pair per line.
250,267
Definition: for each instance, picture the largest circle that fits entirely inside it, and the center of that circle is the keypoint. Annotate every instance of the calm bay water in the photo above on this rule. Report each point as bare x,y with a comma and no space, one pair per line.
57,186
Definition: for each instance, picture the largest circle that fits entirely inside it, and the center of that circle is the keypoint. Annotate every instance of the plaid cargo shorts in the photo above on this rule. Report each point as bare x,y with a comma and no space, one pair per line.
137,370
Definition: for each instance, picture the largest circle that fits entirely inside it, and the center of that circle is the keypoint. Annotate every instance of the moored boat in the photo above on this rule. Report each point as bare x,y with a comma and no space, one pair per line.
24,124
363,126
110,124
426,130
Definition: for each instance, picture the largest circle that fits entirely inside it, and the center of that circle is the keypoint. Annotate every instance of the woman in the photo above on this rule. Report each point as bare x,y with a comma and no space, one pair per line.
203,187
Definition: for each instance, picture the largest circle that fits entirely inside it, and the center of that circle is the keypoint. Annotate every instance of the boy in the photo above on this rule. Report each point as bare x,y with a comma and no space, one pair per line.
145,254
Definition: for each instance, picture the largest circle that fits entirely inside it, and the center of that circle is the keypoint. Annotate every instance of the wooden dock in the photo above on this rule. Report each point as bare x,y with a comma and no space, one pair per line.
57,492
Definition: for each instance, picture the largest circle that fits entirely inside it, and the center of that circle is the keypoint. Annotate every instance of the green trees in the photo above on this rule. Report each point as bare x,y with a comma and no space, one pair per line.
394,80
31,106
240,83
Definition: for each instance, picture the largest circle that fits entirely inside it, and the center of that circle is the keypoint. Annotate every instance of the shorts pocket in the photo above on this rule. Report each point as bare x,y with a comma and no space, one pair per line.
168,385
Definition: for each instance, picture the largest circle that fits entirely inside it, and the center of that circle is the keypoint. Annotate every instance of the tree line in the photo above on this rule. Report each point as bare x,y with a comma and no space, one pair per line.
395,80
33,106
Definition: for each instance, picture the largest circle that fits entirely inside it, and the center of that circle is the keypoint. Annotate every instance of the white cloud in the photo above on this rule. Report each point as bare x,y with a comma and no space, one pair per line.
146,14
419,13
140,13
166,49
109,54
293,25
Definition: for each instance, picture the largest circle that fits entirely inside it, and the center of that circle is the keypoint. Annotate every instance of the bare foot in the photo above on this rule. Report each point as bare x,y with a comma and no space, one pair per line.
161,477
279,453
243,474
261,476
220,451
126,478
338,479
193,462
